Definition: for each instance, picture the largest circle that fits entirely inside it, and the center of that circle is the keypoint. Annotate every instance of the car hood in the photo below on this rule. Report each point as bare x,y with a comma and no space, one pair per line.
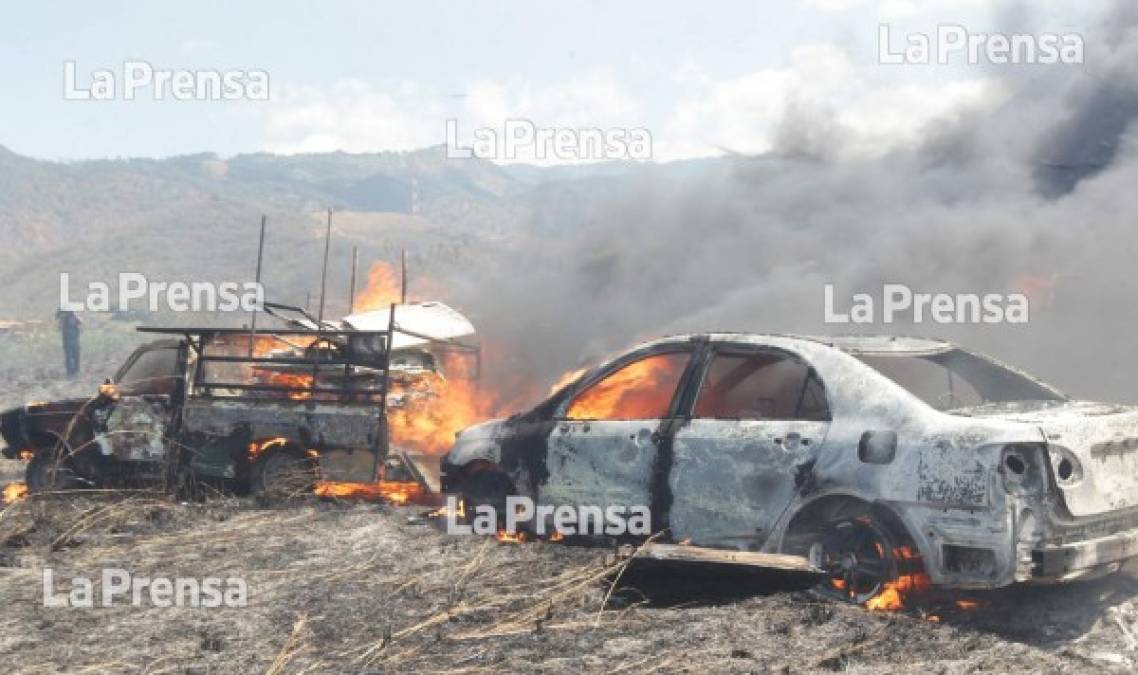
19,426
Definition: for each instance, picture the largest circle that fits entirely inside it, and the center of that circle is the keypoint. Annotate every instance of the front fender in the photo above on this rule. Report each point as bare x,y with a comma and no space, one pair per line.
476,444
481,442
42,425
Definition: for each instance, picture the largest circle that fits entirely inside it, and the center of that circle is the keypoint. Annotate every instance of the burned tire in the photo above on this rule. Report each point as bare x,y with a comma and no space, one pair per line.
858,555
486,488
282,474
50,471
856,545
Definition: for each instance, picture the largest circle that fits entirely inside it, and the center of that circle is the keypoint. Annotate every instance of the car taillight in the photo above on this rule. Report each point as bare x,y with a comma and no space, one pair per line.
1065,466
1022,466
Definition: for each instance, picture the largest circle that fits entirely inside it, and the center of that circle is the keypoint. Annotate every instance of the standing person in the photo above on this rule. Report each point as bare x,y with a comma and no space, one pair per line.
69,323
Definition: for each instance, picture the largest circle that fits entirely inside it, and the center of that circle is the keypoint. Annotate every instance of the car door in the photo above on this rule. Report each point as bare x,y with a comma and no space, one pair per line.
605,444
133,423
756,419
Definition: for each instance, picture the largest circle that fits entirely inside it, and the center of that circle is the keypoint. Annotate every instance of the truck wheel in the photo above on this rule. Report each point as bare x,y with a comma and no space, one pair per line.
50,471
282,474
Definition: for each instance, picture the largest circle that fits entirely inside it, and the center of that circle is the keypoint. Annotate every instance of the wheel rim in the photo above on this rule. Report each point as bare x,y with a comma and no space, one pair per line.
858,555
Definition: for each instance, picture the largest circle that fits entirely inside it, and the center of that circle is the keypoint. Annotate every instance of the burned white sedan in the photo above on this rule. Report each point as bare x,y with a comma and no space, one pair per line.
869,455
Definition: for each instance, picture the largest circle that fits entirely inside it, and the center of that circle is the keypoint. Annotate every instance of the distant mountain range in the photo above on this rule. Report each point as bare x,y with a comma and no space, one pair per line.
195,217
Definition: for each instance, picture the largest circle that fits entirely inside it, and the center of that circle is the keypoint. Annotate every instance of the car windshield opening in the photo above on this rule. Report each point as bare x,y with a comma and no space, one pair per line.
956,379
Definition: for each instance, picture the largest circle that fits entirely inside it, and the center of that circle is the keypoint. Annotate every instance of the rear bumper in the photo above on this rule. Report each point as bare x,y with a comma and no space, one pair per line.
1070,560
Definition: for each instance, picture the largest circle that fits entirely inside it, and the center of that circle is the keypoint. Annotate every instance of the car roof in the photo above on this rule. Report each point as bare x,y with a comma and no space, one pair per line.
851,344
884,344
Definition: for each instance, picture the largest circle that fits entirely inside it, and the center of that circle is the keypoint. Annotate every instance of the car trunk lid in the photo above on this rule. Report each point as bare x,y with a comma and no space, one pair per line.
1098,442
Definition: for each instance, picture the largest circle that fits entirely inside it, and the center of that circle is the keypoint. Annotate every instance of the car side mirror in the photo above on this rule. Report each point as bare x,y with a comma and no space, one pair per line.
877,447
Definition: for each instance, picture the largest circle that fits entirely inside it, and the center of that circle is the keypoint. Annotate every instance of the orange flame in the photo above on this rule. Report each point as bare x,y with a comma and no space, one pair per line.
257,447
298,384
443,511
892,597
641,390
396,492
425,412
511,538
968,604
382,289
263,344
14,492
427,421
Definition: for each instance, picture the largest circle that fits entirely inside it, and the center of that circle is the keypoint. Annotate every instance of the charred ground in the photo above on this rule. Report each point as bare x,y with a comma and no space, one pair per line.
350,586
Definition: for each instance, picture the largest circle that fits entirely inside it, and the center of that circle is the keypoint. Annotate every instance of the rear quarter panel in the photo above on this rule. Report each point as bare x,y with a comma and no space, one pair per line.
943,483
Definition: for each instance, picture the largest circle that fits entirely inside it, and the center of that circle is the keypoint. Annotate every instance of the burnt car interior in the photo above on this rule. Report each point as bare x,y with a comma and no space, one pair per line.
763,385
734,384
152,370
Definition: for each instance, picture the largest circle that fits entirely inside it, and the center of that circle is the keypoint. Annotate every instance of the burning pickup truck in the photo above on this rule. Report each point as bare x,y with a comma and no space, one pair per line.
272,411
884,461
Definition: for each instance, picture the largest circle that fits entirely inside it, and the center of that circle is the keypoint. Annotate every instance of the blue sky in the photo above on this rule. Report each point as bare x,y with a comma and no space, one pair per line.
365,76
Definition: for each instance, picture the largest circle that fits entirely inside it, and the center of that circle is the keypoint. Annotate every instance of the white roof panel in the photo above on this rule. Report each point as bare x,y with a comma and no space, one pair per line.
430,319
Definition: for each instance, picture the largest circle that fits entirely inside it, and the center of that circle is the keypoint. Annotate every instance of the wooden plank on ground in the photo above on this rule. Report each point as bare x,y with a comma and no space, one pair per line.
715,556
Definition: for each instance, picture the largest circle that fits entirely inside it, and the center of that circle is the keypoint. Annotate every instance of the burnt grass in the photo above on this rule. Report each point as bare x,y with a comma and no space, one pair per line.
364,587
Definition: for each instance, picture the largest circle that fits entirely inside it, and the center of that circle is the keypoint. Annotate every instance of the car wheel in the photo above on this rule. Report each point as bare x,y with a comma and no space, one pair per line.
486,488
50,471
282,474
858,554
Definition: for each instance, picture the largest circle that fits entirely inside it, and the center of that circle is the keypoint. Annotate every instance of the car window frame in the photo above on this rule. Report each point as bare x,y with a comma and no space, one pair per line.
740,349
678,395
137,356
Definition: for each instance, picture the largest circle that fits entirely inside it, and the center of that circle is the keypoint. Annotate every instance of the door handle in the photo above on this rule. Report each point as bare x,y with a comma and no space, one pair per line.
792,441
644,436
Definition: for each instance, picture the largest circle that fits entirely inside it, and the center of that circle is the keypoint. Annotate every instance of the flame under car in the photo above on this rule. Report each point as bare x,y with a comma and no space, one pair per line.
891,463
